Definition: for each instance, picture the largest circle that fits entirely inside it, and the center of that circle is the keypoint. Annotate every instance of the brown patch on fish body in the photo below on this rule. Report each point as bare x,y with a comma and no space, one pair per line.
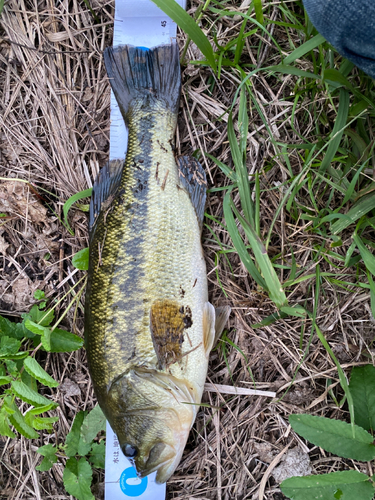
168,321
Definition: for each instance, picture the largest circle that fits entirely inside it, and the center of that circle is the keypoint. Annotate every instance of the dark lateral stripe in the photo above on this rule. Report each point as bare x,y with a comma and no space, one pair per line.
114,300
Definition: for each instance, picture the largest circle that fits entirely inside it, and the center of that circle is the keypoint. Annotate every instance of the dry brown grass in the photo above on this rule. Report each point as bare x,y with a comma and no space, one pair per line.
55,135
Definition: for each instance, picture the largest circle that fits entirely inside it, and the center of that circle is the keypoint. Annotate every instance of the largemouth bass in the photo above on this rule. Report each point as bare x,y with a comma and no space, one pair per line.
149,327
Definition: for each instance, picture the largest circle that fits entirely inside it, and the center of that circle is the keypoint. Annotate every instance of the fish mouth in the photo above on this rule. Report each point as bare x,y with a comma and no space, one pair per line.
161,457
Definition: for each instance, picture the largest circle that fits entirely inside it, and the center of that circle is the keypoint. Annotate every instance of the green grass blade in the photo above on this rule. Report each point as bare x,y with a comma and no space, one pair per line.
70,202
304,48
243,123
258,11
342,377
239,157
239,244
186,23
275,289
366,255
360,208
338,130
224,168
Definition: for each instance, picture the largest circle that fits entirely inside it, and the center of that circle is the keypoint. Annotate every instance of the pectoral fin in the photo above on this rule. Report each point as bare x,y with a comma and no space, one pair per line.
208,328
214,321
221,317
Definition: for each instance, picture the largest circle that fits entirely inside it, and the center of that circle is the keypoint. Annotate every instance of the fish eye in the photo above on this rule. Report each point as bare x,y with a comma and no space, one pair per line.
129,451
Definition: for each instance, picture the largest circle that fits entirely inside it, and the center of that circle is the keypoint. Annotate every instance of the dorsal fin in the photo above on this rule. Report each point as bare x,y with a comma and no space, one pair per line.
105,187
193,179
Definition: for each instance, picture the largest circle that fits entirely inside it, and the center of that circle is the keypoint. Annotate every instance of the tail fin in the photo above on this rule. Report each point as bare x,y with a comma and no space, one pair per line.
136,72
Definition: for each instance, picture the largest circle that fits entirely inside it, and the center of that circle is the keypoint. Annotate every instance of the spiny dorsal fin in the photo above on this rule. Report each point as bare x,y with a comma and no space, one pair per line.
193,179
104,189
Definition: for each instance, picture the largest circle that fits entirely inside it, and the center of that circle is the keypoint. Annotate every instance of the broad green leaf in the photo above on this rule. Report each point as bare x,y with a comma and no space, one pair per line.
49,453
41,409
35,370
269,320
39,295
335,436
44,423
5,425
43,331
360,208
39,316
73,439
362,388
16,355
81,259
333,75
97,455
12,367
93,423
70,202
77,478
18,421
9,345
40,423
343,485
8,405
30,381
24,392
10,329
5,380
187,24
63,341
366,255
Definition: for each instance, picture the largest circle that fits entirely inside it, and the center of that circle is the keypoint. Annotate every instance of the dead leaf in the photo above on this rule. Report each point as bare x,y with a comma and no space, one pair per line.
295,462
70,388
16,198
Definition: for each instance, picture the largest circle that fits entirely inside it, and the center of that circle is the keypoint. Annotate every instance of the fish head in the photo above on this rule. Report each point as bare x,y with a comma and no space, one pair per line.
152,419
